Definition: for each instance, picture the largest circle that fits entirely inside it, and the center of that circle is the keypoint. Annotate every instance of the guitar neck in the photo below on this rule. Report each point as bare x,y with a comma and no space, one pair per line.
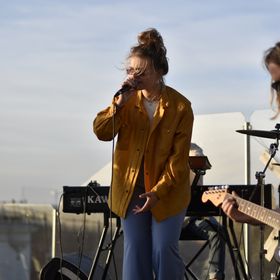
259,213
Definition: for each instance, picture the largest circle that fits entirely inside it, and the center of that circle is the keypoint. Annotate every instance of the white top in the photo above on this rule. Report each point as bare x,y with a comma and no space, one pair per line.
150,107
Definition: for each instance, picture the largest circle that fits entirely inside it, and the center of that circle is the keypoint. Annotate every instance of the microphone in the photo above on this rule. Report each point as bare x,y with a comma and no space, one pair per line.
124,88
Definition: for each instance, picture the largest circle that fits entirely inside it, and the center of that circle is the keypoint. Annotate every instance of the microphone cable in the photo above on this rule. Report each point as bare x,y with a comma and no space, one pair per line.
110,245
111,186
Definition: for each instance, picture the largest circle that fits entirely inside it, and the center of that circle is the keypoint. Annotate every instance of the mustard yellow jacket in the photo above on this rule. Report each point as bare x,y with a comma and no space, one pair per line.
164,147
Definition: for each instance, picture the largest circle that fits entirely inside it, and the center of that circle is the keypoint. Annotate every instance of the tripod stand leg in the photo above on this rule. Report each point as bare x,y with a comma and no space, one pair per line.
194,258
110,252
241,264
233,249
232,256
98,251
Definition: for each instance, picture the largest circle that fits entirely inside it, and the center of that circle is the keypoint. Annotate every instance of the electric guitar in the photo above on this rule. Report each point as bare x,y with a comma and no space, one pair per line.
259,213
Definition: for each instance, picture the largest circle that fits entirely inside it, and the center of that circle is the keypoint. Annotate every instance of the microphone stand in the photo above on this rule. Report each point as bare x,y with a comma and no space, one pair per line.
260,184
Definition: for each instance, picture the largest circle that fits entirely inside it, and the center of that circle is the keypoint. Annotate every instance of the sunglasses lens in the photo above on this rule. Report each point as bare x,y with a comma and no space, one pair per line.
276,85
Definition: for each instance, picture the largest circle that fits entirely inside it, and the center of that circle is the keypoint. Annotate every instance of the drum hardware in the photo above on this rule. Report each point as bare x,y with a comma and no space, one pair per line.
273,134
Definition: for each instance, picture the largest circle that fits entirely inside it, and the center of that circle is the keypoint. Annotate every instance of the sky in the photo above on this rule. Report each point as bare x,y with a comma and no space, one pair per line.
61,63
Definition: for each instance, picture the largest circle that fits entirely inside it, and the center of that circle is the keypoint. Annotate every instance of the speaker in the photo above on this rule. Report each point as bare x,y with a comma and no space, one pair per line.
71,267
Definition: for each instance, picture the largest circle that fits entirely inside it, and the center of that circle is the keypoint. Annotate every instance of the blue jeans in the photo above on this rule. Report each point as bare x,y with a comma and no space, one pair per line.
208,229
151,248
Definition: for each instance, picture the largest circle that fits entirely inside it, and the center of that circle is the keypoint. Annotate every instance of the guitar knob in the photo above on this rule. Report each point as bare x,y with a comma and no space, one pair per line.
277,254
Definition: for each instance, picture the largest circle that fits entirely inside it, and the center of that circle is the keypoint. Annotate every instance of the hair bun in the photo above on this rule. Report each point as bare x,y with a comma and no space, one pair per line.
150,45
152,39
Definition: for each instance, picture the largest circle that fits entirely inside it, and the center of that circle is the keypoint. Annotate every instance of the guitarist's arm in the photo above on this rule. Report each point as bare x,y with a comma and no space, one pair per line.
230,208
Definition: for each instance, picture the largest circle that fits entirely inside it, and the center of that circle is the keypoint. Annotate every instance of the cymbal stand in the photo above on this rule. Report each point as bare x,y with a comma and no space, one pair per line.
277,251
260,184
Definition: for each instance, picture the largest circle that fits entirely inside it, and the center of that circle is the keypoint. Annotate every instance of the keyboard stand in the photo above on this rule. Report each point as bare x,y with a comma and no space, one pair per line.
109,248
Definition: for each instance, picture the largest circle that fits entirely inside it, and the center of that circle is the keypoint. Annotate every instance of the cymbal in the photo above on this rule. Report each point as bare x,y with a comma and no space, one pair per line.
272,134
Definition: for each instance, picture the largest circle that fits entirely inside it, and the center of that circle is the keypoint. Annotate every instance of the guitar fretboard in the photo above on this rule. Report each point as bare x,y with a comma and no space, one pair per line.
258,212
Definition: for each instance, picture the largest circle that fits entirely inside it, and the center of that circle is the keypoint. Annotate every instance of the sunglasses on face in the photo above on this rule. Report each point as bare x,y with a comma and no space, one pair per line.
276,86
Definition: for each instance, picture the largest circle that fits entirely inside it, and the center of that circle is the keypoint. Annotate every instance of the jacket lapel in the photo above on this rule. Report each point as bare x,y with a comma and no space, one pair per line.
163,104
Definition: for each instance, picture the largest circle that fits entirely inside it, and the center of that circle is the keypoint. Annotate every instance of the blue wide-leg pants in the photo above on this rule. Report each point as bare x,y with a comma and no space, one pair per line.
151,248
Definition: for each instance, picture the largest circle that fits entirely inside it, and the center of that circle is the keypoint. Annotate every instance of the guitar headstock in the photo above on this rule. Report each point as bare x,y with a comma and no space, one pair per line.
215,195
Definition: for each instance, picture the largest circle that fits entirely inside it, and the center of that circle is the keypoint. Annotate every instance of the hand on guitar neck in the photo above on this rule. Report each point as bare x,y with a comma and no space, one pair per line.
241,210
230,208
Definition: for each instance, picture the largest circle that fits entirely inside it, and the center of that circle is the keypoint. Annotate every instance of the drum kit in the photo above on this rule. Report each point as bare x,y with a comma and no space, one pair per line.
272,134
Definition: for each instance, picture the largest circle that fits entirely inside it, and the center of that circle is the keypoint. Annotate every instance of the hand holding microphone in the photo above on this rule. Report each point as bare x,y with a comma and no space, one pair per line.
125,88
125,92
